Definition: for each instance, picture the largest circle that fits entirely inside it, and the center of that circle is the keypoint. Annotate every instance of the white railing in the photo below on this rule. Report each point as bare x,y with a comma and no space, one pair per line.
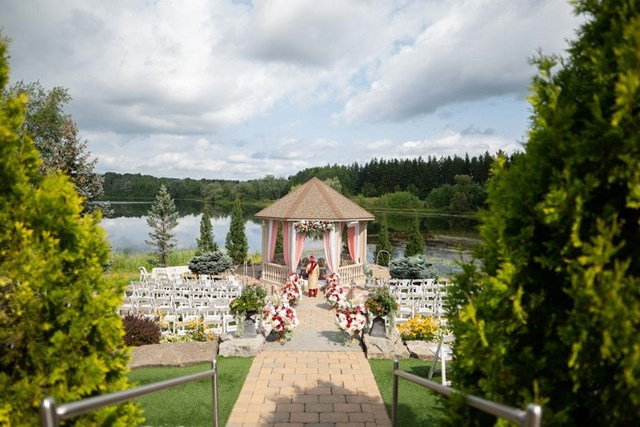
274,274
352,273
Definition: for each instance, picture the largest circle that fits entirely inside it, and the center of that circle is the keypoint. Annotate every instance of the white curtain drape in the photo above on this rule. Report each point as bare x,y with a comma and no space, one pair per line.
293,244
332,243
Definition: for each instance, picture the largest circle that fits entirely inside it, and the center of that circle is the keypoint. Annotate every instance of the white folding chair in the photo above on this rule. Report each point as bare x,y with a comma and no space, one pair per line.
444,353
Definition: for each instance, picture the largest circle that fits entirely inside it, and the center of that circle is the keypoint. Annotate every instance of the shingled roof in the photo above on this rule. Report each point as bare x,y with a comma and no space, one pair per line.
315,200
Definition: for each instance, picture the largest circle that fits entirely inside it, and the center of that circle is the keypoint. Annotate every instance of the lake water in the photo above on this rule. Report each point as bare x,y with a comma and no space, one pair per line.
448,238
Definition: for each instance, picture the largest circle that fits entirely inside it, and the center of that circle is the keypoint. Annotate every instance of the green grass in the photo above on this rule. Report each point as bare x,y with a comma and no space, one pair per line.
416,405
190,404
123,262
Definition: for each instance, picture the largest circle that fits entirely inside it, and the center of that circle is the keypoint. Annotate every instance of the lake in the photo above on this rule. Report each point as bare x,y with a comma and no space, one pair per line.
448,237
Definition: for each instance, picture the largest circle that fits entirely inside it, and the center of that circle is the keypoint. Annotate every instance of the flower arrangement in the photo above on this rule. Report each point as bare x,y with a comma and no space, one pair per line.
280,317
252,298
292,291
313,229
380,302
351,319
334,293
422,328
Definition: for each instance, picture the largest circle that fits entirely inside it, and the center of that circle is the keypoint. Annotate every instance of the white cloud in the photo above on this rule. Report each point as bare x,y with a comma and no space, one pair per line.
473,50
219,89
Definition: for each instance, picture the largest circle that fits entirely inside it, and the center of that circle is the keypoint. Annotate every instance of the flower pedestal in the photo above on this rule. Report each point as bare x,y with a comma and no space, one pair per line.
378,327
282,337
249,326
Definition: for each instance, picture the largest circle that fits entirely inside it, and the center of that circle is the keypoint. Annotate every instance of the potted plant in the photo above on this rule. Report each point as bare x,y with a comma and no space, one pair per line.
335,294
380,303
250,302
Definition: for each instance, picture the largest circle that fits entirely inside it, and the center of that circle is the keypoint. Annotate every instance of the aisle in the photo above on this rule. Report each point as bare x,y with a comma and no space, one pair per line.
315,379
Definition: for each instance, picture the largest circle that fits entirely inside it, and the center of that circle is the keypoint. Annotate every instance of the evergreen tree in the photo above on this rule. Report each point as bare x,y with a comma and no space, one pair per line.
384,243
206,243
415,245
60,334
236,241
55,134
162,218
553,316
279,242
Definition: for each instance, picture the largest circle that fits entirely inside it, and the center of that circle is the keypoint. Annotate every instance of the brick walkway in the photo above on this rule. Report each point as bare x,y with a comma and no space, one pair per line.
316,379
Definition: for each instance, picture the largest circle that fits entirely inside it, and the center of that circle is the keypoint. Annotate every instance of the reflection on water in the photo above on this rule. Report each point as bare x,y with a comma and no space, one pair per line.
127,230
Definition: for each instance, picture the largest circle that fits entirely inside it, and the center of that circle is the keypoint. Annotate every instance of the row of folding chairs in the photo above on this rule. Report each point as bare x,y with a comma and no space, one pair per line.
146,305
218,320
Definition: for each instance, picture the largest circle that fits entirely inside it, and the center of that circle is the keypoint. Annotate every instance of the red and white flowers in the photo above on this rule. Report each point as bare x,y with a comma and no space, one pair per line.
279,316
292,290
313,229
335,294
351,319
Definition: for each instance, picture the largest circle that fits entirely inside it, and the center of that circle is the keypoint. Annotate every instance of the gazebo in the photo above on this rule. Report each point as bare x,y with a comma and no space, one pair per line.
315,206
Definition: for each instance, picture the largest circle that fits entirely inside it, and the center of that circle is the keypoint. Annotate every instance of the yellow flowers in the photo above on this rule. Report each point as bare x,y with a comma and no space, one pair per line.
424,328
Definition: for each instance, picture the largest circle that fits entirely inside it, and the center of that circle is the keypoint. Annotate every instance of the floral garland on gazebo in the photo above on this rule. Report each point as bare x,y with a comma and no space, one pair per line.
313,229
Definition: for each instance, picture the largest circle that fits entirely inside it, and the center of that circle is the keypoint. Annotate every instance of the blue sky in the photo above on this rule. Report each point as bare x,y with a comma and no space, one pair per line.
241,89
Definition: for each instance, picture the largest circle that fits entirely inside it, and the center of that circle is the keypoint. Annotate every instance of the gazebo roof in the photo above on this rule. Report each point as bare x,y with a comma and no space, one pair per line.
315,200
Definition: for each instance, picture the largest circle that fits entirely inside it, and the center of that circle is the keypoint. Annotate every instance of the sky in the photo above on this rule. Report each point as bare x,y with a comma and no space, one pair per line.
231,89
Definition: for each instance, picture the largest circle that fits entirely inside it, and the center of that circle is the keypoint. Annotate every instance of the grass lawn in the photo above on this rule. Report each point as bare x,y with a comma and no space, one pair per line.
416,405
190,404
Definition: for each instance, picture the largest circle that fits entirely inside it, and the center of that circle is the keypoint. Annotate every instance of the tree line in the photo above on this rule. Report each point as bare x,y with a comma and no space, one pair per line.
375,178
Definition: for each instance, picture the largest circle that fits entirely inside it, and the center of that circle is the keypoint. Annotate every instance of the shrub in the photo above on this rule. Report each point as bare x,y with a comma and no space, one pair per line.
252,298
415,267
210,263
140,330
380,302
553,315
60,334
423,328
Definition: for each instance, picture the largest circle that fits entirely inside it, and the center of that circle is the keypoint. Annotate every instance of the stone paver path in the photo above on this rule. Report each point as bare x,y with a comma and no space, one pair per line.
315,379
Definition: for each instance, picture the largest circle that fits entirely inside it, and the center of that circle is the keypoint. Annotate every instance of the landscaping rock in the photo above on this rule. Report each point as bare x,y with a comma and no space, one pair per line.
173,354
422,350
242,347
385,348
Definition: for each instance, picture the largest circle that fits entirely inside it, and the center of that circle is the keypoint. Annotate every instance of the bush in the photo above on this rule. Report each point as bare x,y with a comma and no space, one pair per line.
380,302
415,267
424,328
210,263
140,330
60,334
553,315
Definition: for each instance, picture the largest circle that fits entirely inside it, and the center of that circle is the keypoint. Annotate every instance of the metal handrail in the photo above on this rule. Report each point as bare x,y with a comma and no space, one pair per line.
530,417
51,414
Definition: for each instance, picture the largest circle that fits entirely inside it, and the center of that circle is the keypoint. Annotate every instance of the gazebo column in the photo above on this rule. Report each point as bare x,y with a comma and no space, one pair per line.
363,243
265,242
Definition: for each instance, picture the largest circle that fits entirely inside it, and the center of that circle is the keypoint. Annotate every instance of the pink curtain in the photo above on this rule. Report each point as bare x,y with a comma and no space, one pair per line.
286,241
293,244
353,235
272,237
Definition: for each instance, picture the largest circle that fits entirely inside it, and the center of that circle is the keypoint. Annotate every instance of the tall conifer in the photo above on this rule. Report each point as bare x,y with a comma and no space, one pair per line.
236,241
60,333
162,218
415,245
383,246
205,242
553,316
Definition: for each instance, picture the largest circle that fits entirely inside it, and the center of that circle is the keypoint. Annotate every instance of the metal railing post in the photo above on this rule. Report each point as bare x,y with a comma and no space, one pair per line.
48,413
394,399
533,417
214,391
